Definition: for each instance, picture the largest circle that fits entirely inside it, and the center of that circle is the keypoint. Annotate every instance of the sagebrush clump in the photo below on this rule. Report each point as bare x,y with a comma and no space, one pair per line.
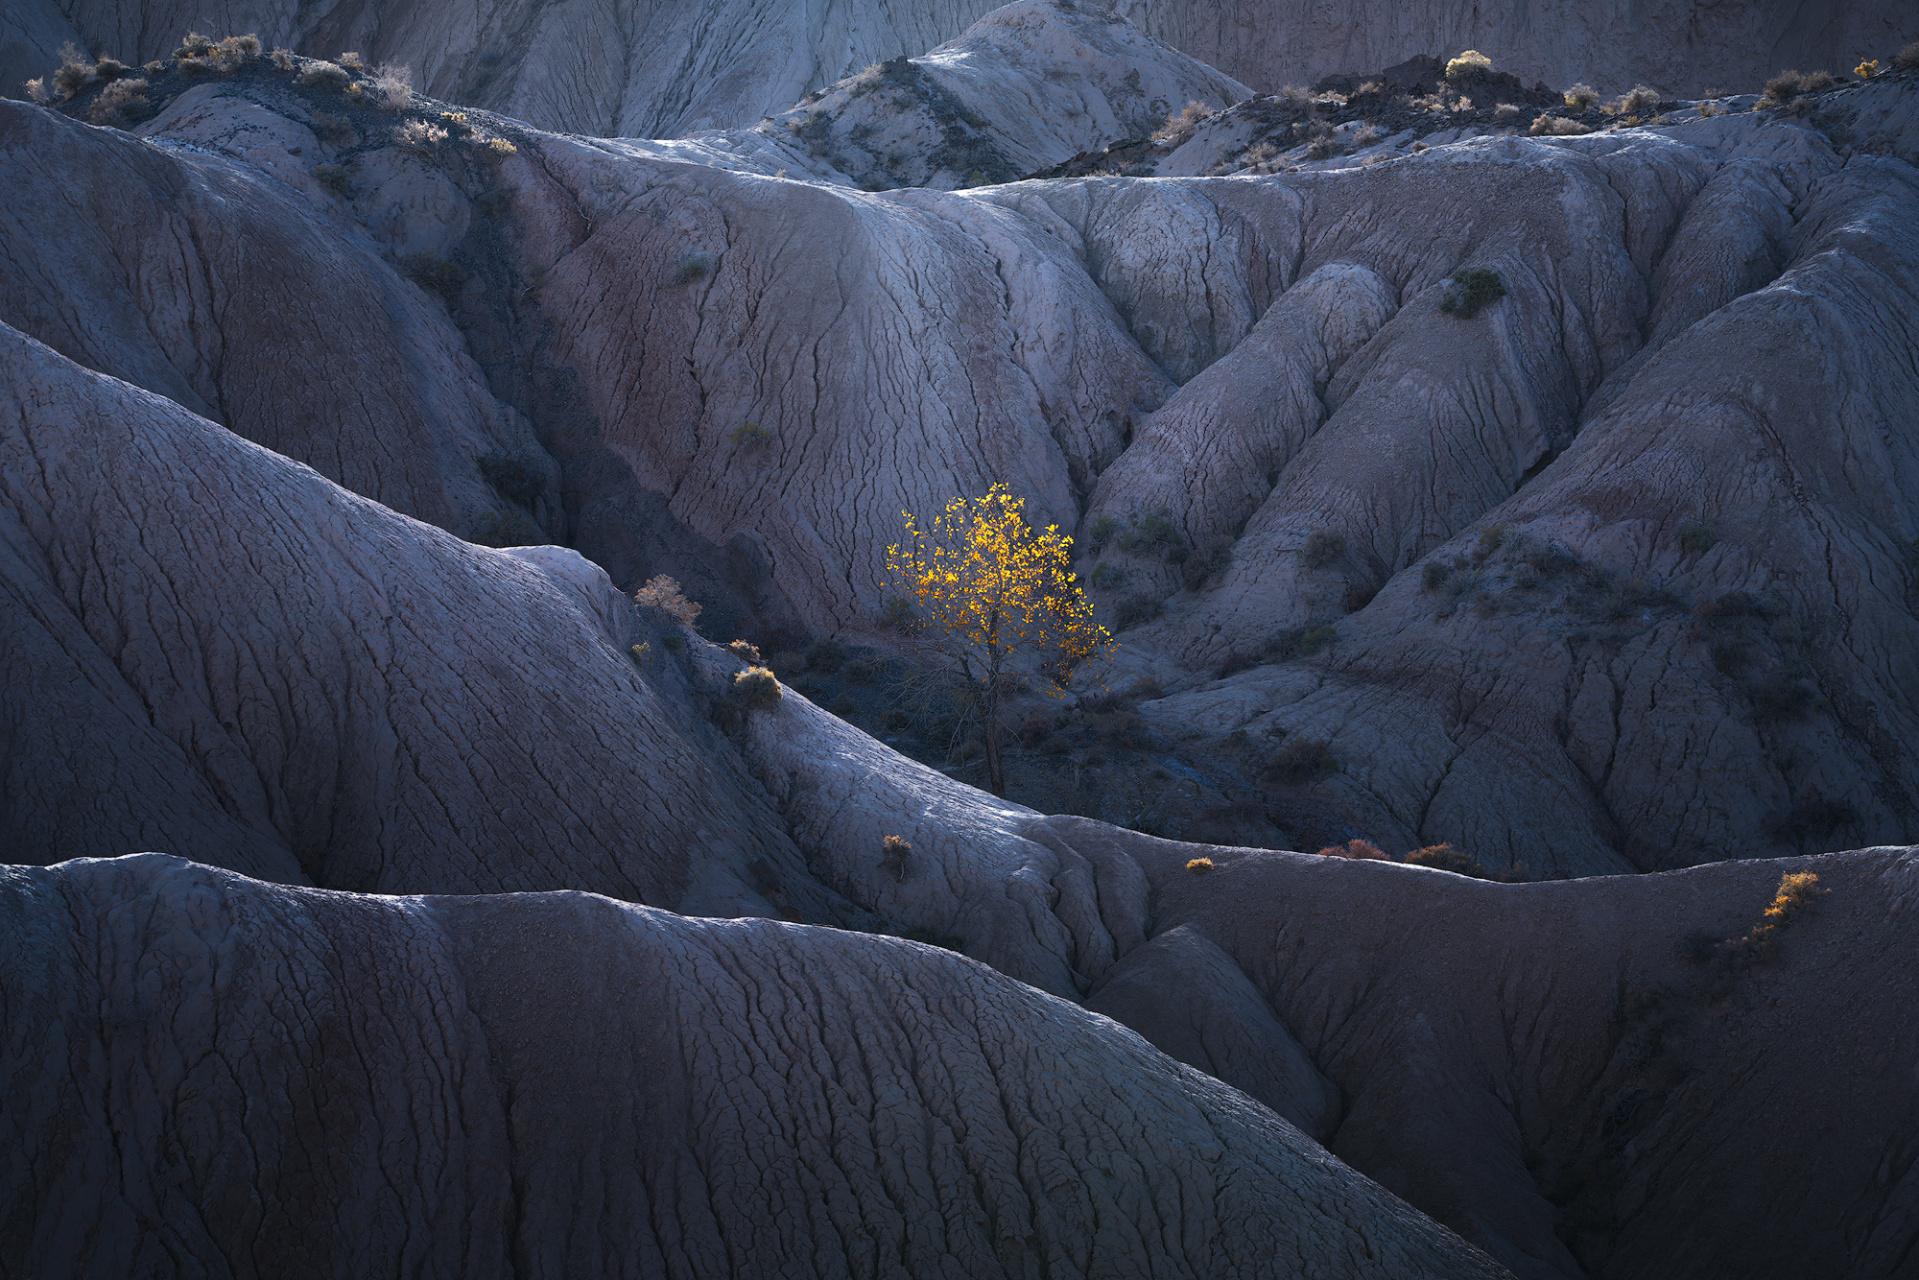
1581,97
662,592
118,103
757,688
1636,100
1467,63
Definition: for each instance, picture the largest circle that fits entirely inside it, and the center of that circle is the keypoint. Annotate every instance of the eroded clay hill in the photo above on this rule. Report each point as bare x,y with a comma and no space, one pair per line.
1611,570
1582,1078
1615,574
611,67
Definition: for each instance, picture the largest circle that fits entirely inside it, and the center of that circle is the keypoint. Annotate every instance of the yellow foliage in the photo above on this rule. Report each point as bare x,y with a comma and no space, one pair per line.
1867,70
989,586
993,593
1466,63
1797,890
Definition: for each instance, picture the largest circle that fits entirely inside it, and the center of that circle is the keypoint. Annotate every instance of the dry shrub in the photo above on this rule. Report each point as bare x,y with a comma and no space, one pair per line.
118,103
392,87
37,91
497,148
201,53
325,75
1360,850
1199,866
1581,97
662,592
1867,68
895,855
1798,893
1180,125
284,59
1443,857
757,688
746,651
1635,100
1558,127
75,74
1505,111
1907,58
1470,62
353,62
419,135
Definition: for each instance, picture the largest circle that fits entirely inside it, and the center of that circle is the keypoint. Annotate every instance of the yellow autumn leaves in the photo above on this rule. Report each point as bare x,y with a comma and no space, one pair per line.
988,586
992,594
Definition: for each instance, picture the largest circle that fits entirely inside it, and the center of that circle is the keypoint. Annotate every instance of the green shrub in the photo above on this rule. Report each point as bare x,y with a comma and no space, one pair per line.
1155,534
431,271
751,435
1730,657
1131,613
1433,574
692,267
1298,763
1101,532
1202,567
1300,642
516,478
662,592
1472,288
334,177
757,688
899,615
1782,697
1697,537
330,127
1106,577
1322,548
118,103
673,641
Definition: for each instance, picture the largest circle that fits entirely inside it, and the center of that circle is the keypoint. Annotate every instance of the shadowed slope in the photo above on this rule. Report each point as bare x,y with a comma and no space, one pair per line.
1570,1074
290,1081
310,684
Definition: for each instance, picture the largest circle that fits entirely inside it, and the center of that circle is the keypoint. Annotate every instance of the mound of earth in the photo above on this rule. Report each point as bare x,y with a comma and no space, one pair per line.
290,1081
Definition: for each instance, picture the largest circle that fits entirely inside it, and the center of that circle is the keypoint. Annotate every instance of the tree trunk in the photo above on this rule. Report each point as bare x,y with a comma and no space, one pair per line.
989,725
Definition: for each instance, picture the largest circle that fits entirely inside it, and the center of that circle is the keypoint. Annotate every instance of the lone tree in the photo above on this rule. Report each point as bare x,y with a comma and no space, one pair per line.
995,598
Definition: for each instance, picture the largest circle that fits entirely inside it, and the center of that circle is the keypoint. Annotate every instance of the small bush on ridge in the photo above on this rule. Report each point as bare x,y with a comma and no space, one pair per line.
662,592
